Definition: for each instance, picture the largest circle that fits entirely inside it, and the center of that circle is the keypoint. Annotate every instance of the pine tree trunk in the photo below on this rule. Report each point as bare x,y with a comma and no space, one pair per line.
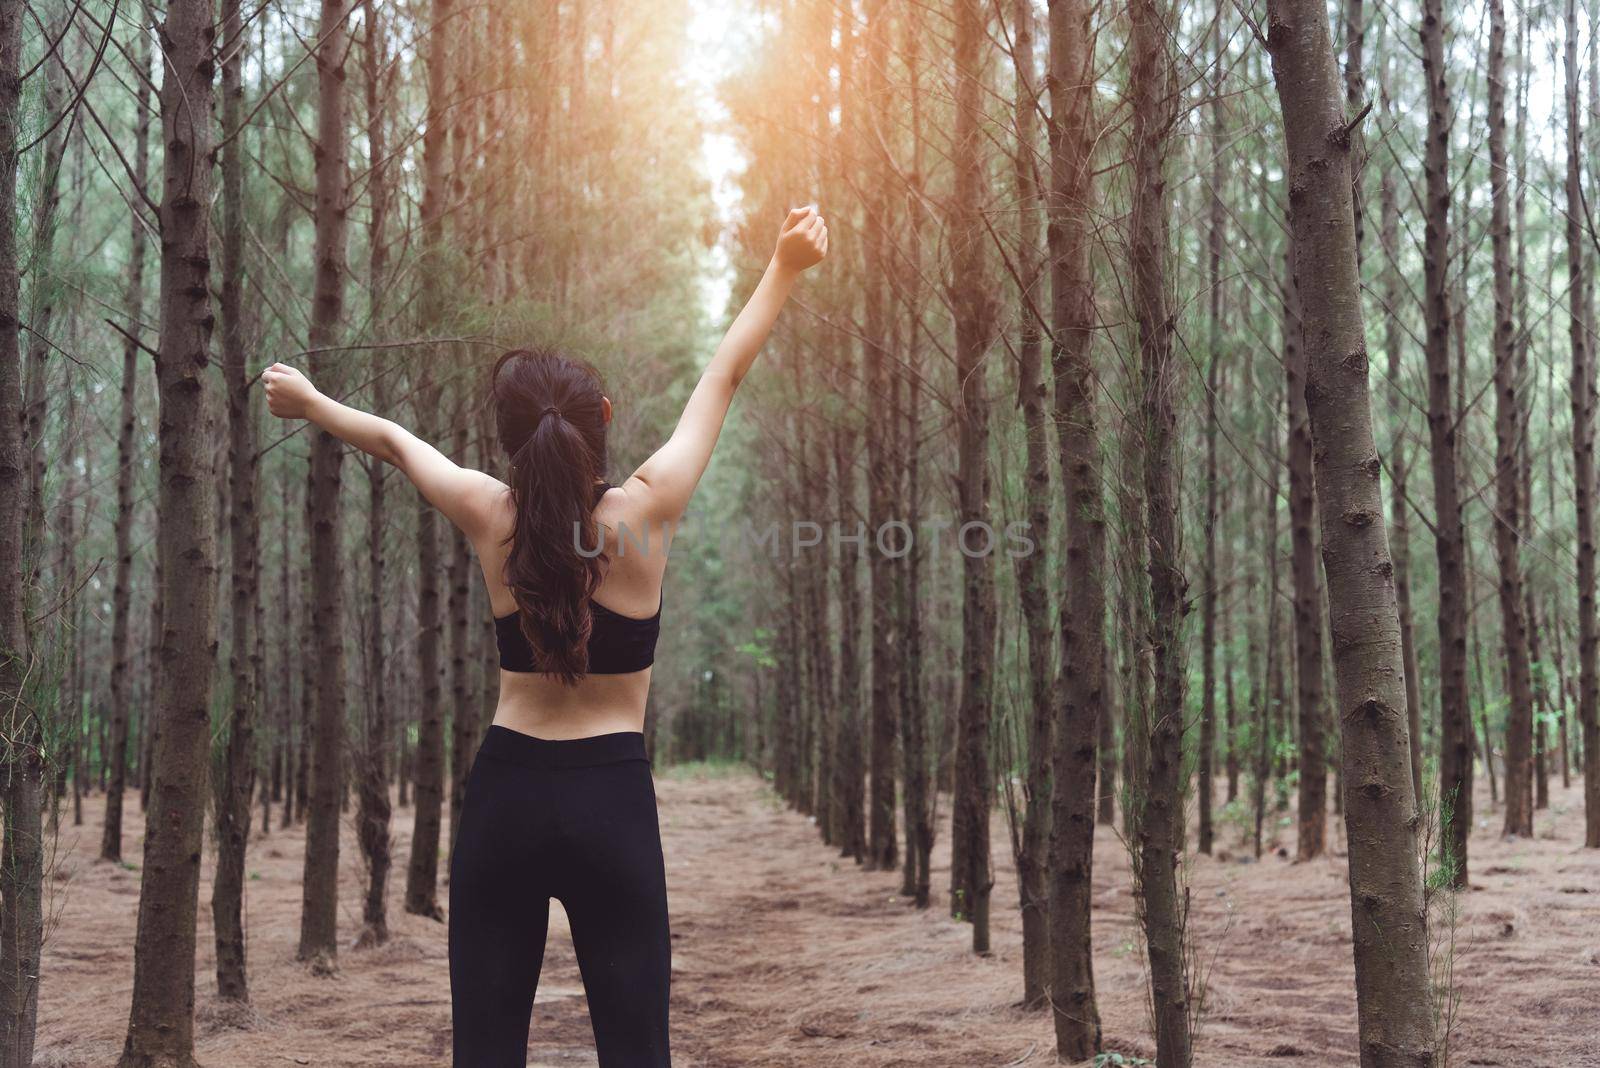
116,751
373,809
422,875
463,720
1159,822
21,766
1399,533
236,765
1541,696
319,915
1208,607
883,851
161,1022
1313,788
974,319
848,807
1583,435
1508,437
914,713
1031,568
1080,699
428,781
1455,759
1392,982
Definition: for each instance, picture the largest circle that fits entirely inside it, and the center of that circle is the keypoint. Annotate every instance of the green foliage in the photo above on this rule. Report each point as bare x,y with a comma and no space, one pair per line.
713,768
1109,1059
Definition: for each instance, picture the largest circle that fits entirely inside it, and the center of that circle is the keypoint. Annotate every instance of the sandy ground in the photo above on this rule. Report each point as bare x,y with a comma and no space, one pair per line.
786,955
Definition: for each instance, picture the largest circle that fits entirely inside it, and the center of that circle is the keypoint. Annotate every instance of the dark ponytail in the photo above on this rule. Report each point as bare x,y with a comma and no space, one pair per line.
550,417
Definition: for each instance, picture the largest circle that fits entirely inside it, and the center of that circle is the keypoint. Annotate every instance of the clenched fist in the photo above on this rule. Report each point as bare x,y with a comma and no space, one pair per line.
803,240
289,393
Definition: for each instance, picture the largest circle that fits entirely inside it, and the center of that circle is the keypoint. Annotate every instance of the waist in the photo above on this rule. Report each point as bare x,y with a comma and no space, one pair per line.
541,706
503,743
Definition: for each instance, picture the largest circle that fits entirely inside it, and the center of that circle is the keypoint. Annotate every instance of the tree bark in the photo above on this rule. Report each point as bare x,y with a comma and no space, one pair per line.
319,915
1399,532
1313,786
1455,759
974,316
849,800
1080,694
1508,437
1583,434
236,764
161,1021
21,761
1393,997
882,846
1031,568
914,716
373,809
457,576
1159,833
1208,607
116,754
422,875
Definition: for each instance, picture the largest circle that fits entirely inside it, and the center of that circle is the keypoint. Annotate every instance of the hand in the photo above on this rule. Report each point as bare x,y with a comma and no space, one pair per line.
289,393
803,241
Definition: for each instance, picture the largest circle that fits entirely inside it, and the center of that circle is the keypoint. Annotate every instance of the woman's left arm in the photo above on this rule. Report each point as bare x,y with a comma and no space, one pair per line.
466,497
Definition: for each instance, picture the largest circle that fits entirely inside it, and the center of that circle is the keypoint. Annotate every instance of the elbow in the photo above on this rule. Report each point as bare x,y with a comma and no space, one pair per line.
390,446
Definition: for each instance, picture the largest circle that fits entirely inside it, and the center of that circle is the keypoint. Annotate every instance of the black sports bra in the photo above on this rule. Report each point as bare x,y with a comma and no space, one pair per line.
618,644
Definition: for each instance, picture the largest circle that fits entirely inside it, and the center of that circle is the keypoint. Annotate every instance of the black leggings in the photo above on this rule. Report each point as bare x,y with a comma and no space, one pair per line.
576,821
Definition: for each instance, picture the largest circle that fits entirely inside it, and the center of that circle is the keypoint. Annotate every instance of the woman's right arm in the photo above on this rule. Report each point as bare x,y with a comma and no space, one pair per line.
667,480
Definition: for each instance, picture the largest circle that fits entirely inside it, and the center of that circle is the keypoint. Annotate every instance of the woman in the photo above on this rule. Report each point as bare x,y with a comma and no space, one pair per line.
559,802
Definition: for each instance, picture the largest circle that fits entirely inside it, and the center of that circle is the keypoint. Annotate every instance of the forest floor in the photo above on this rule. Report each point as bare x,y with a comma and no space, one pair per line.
787,955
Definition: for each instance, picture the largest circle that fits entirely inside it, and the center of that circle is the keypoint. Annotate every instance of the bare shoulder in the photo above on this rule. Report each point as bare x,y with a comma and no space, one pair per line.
488,504
634,531
644,503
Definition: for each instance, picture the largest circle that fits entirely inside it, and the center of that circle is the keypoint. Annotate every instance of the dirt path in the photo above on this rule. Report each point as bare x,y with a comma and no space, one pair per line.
785,955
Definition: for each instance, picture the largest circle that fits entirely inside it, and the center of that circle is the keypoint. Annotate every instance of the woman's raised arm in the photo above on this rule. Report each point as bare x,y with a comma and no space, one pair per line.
666,481
466,497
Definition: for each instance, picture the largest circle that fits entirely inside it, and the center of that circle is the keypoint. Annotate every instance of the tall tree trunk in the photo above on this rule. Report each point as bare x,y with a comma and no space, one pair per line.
236,771
1313,787
1399,532
319,914
914,716
463,718
373,809
161,1022
850,818
1508,437
1583,434
1269,696
116,753
1393,998
1541,695
1159,832
1355,92
1081,692
1208,608
1031,568
974,316
882,846
422,874
848,805
21,762
1455,759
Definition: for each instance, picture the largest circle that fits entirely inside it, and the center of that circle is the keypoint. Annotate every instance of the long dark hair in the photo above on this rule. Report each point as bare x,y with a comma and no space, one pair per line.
550,418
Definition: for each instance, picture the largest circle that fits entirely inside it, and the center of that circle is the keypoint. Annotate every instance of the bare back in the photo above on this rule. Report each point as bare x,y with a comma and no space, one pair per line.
636,548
